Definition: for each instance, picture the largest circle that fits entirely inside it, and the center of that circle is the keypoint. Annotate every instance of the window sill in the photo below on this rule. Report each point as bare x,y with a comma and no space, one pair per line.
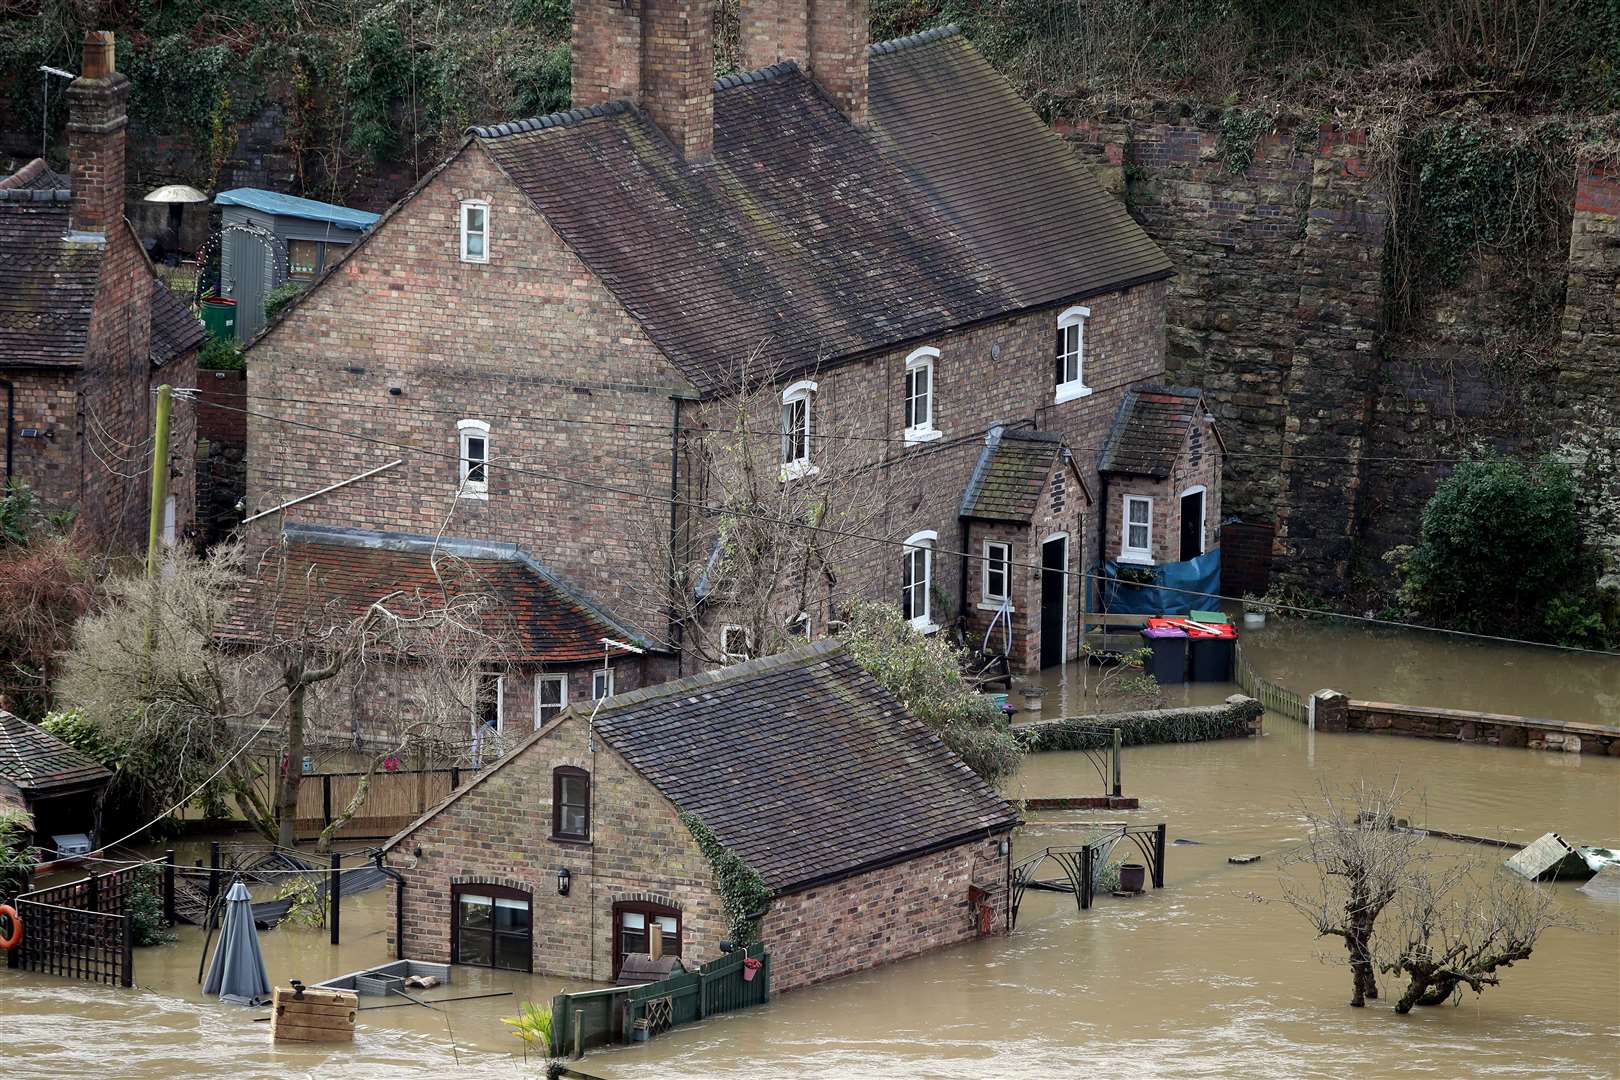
571,841
1071,392
995,605
924,626
914,436
1136,560
793,470
475,262
481,496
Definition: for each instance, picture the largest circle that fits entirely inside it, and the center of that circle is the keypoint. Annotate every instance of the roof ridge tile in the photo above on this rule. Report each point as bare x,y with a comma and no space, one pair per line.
911,41
758,75
566,118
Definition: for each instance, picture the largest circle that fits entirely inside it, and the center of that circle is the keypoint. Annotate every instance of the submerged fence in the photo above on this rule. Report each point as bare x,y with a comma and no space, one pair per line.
1276,699
82,930
597,1017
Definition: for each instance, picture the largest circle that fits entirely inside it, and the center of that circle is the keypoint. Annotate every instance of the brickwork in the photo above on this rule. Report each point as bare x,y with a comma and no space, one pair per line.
97,116
772,30
884,915
1246,558
1198,465
227,425
677,72
500,832
837,54
1337,713
605,52
530,343
46,402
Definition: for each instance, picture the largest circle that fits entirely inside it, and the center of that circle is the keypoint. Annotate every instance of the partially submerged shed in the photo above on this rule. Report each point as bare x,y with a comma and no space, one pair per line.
57,785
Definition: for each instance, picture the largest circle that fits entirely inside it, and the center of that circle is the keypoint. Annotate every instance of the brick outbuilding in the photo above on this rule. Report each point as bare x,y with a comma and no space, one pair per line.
875,840
87,331
1161,476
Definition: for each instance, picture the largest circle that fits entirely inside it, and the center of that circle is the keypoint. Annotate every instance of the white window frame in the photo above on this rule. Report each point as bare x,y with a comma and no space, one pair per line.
1127,551
925,543
605,679
799,465
1203,515
1072,389
562,699
500,701
988,600
474,204
922,360
729,654
467,430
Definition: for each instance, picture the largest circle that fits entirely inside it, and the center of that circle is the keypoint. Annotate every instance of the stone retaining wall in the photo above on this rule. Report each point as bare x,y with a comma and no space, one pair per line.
1237,718
1336,712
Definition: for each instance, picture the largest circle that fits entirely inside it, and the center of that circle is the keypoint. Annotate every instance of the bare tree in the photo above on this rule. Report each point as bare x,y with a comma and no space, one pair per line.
1458,925
180,671
1354,865
769,546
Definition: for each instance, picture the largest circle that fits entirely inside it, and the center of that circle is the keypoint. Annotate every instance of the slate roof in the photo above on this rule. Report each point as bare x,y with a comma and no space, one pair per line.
35,176
1010,474
296,206
39,763
47,282
550,622
819,240
803,765
1150,429
175,330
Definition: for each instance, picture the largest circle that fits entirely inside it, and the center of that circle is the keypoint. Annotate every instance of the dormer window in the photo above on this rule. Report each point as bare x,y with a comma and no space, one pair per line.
1071,355
474,459
796,404
475,231
920,397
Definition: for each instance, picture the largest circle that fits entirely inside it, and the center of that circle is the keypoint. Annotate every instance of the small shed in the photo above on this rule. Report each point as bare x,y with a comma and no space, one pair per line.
269,239
638,968
57,784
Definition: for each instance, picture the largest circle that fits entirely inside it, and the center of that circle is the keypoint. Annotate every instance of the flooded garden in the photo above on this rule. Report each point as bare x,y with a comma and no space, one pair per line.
1212,976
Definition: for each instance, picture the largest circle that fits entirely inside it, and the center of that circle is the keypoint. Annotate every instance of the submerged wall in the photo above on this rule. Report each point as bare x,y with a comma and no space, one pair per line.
1238,717
1336,712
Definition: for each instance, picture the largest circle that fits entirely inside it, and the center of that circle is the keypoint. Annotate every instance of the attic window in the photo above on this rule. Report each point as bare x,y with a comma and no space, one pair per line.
474,459
920,397
475,231
796,404
1071,355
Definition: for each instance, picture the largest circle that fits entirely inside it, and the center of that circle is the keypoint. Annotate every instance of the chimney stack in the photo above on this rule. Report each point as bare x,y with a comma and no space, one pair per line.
837,53
98,113
772,30
658,54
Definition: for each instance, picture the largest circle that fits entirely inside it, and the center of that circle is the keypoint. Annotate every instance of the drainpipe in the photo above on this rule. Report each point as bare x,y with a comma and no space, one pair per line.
11,397
1102,526
962,576
399,902
674,509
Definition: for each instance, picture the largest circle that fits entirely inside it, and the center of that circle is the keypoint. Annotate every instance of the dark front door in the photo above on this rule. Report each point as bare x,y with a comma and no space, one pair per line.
1192,525
1054,561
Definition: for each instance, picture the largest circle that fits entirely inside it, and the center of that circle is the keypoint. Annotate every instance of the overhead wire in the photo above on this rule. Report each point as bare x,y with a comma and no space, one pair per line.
718,511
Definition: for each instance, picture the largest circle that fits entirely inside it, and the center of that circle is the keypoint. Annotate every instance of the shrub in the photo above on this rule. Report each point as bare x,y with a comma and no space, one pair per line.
218,354
17,859
278,298
144,907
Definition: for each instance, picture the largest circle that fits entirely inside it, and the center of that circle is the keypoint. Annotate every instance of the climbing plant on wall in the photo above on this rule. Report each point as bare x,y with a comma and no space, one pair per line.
743,892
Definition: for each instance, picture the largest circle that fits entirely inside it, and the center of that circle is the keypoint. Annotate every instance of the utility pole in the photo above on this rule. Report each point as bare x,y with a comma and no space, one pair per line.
160,479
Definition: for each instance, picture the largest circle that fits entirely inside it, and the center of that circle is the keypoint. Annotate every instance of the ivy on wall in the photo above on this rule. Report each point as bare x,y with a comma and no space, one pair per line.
743,892
1141,728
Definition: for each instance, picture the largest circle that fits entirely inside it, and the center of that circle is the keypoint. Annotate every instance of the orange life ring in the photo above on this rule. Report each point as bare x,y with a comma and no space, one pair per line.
16,927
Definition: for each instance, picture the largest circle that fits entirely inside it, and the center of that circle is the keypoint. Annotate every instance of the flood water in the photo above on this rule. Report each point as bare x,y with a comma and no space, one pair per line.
1210,977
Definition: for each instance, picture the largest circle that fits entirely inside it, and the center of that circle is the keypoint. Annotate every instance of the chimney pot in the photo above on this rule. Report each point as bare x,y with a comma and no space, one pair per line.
99,55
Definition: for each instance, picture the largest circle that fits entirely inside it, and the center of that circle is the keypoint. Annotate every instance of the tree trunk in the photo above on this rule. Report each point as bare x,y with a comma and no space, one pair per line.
293,773
1363,976
1440,992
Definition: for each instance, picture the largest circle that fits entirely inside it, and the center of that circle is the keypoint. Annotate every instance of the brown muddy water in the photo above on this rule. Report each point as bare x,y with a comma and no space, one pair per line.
1210,977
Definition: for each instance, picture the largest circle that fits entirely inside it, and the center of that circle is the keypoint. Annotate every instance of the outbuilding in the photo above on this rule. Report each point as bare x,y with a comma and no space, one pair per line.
55,785
872,839
269,239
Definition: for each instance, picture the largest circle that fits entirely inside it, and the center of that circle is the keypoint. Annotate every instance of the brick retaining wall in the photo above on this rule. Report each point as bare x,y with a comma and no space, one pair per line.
1336,712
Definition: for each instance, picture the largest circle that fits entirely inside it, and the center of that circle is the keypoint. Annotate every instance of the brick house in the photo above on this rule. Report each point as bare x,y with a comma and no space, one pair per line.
875,840
565,308
87,331
1161,467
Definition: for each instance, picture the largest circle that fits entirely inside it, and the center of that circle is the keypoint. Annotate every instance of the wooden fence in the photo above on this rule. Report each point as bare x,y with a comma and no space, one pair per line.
393,800
597,1017
1275,699
81,930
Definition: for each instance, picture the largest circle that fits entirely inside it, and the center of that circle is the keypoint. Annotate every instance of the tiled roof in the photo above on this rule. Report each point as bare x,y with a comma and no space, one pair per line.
35,176
1149,430
819,240
803,765
47,281
175,330
40,763
1011,471
351,569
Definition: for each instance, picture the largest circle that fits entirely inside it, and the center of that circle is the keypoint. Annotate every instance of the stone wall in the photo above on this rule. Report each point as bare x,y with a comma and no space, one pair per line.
885,915
1336,712
1237,718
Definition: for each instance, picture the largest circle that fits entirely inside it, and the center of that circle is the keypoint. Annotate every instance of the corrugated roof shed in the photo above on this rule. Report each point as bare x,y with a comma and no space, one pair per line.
274,202
1150,429
819,240
341,572
39,763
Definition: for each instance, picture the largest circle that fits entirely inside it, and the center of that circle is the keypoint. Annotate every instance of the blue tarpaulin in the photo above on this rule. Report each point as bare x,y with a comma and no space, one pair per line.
1177,587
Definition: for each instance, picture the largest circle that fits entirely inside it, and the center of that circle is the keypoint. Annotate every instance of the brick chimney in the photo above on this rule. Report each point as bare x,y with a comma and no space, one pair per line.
772,30
97,116
658,54
837,54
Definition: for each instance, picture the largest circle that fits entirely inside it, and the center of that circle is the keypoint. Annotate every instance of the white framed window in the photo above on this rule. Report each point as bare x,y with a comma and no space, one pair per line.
1070,354
474,459
474,231
550,697
920,396
917,580
601,684
490,708
734,643
1136,535
799,625
797,401
996,573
